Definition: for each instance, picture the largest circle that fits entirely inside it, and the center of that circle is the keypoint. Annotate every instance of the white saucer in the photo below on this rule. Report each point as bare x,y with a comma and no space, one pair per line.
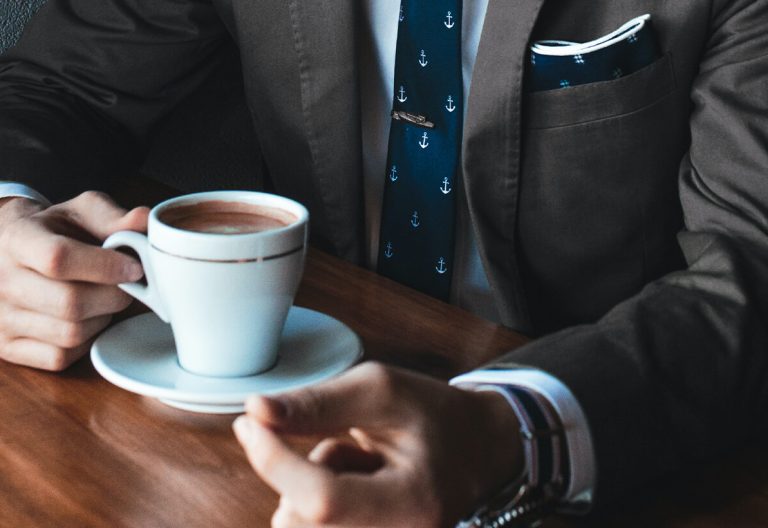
139,355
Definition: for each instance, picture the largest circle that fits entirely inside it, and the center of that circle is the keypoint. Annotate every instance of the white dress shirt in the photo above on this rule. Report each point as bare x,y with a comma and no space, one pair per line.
471,289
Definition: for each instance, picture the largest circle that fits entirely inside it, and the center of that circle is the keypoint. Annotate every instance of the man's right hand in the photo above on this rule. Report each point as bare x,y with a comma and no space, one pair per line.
57,286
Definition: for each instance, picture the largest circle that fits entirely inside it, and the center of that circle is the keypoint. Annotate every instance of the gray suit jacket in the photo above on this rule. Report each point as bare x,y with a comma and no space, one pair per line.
626,221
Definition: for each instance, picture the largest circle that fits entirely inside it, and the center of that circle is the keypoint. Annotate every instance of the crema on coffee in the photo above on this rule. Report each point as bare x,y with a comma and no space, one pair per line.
226,218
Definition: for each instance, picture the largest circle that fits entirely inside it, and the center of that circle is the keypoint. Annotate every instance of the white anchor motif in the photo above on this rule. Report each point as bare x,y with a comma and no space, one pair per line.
401,95
449,21
424,143
446,188
402,15
450,106
441,268
388,251
393,174
415,222
423,59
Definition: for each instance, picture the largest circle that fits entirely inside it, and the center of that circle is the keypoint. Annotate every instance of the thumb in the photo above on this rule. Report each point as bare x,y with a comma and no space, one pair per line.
367,396
100,216
134,220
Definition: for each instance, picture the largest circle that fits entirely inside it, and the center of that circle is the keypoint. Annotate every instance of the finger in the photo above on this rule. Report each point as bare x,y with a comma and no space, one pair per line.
286,517
70,301
66,334
318,496
280,467
368,396
62,258
32,353
340,455
100,216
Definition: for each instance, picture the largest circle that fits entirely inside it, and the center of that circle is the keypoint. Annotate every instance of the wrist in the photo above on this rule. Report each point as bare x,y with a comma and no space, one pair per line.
504,442
12,207
535,489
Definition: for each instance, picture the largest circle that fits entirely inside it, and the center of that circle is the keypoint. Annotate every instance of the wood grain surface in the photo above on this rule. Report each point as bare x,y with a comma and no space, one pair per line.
76,451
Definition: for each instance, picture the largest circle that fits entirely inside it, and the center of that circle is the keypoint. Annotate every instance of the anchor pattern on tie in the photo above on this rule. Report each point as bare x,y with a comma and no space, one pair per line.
449,23
415,222
423,59
418,209
446,187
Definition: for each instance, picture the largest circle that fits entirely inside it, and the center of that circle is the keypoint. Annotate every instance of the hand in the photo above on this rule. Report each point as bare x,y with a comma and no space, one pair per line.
57,287
419,452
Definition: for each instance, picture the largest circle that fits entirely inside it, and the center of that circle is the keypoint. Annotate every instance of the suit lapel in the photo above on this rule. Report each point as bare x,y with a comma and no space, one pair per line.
492,144
300,69
326,41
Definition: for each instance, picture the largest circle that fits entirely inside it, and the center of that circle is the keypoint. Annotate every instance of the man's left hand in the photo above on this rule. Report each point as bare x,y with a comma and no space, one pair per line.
402,450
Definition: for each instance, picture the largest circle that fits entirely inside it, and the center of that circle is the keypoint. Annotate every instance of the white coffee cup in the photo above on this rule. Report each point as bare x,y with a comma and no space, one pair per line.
226,296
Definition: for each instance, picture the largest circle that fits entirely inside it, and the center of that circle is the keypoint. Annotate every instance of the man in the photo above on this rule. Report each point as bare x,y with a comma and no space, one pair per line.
625,219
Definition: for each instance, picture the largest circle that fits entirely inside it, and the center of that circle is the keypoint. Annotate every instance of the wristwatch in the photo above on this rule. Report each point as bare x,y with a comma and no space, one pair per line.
516,506
526,500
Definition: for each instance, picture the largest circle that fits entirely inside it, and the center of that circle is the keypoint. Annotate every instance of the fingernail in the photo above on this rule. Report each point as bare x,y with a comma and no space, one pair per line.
243,427
133,271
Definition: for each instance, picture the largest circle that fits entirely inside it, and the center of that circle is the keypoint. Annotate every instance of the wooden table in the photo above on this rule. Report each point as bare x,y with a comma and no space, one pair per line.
76,451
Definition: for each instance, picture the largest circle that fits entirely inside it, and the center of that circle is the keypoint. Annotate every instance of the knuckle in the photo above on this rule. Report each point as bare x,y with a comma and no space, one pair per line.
69,306
72,334
382,379
57,360
54,262
310,406
93,197
12,234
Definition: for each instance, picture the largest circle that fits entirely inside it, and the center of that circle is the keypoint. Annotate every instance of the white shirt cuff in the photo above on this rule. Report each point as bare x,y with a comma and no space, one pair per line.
13,189
581,454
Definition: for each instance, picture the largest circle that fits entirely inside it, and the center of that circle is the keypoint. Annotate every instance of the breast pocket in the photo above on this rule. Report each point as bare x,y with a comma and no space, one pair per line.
599,209
589,102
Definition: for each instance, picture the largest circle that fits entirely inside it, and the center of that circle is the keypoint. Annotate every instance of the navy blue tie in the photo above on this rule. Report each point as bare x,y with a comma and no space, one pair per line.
418,214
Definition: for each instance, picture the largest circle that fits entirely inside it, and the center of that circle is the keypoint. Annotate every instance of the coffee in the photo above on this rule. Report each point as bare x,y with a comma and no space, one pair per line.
226,218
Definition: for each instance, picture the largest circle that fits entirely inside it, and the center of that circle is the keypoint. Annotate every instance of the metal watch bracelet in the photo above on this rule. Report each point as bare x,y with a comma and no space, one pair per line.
516,506
525,501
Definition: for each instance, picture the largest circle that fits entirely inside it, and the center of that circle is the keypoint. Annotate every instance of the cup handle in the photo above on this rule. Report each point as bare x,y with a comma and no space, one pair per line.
147,294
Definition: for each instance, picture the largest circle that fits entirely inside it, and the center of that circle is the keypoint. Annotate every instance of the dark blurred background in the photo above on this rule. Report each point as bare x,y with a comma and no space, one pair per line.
206,143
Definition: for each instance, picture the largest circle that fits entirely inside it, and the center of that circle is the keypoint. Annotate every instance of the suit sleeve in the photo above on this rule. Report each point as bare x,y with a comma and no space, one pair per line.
87,81
679,372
